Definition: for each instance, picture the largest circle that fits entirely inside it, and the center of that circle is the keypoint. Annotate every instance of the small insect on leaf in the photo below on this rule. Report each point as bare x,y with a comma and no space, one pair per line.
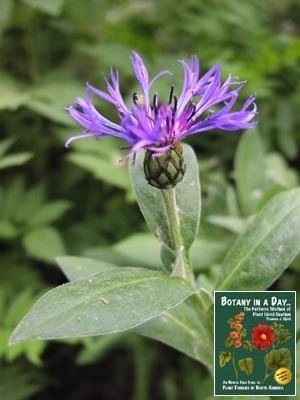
103,300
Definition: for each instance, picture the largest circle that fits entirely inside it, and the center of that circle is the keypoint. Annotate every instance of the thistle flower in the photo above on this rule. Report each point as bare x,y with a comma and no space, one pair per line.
203,104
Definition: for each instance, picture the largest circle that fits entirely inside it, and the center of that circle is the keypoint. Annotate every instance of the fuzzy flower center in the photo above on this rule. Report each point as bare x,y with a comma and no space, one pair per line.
263,336
163,118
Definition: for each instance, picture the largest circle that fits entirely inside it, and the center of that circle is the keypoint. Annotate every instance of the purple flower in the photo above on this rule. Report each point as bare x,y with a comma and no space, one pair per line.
203,104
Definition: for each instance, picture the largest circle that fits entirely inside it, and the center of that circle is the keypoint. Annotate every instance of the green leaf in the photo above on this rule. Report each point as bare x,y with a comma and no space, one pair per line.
108,171
96,348
285,118
139,249
269,194
13,94
8,230
32,200
12,198
249,169
13,160
207,252
33,351
247,345
80,267
5,10
233,224
51,95
267,246
224,358
282,335
278,358
143,250
30,381
229,342
232,202
279,172
2,303
44,244
109,255
52,7
246,365
4,336
48,213
108,54
5,145
16,309
187,194
181,329
114,300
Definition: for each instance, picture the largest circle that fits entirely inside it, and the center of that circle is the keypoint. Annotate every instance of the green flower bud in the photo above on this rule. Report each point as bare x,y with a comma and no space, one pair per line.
167,170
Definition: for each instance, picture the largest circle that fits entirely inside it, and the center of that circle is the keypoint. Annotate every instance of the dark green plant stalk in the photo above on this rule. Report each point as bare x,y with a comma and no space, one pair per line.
183,268
234,365
268,375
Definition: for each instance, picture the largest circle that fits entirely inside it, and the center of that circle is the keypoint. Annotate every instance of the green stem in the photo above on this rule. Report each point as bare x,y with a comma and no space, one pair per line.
267,375
182,266
234,366
143,363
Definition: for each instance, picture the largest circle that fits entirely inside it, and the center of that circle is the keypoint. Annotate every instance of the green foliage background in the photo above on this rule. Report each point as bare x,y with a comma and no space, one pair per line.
55,201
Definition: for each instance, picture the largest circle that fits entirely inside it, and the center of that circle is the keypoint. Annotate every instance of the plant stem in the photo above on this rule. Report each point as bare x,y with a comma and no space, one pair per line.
182,267
143,363
267,375
234,366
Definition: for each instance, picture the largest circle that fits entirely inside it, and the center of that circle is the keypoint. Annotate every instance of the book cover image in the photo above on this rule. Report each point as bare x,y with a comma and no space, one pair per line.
255,343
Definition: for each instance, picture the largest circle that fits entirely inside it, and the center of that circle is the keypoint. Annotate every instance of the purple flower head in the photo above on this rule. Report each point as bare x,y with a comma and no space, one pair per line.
205,103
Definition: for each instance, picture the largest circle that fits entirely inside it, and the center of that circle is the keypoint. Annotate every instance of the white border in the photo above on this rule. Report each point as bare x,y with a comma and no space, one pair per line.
295,360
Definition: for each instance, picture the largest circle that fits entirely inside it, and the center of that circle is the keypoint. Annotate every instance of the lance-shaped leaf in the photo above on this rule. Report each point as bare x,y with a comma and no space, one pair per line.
267,246
115,300
187,193
181,329
250,175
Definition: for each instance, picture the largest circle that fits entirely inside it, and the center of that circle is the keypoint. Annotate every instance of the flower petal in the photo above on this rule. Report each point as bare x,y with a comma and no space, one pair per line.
141,74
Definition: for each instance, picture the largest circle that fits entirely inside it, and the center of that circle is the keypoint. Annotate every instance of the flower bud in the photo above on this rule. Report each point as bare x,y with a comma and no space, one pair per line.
167,170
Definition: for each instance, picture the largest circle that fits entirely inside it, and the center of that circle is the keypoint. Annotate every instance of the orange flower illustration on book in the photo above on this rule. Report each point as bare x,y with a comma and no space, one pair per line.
236,340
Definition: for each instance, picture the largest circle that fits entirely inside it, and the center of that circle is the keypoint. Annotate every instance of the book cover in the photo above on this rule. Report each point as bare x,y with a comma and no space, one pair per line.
255,343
